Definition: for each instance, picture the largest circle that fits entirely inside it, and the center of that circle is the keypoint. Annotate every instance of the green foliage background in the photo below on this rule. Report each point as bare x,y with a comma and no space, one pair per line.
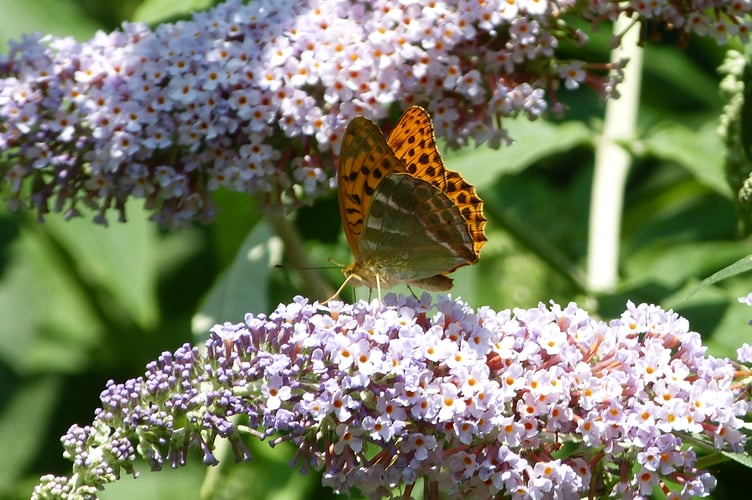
81,304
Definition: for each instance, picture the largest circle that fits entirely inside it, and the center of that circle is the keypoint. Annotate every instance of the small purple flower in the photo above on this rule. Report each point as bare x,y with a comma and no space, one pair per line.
744,353
255,97
476,402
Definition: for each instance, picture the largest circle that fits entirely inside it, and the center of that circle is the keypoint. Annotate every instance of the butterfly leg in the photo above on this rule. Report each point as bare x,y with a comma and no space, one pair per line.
413,292
339,290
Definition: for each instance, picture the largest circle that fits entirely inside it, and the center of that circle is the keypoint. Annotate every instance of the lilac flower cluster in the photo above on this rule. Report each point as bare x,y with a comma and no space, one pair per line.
255,97
539,403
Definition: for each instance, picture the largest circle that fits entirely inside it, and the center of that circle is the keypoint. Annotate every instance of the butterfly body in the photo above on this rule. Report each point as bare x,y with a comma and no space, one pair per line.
407,219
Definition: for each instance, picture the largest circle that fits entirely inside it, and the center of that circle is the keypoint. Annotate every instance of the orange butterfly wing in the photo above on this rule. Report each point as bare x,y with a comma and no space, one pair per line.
413,220
364,159
414,142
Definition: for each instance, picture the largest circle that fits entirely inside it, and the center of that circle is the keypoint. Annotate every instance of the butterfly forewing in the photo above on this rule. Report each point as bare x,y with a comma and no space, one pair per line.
470,206
414,142
364,160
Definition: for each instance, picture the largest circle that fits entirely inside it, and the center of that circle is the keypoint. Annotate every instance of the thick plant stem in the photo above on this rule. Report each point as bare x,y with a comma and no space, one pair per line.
612,162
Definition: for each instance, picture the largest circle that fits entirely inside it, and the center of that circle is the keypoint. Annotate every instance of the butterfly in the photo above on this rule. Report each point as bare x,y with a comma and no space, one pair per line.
407,219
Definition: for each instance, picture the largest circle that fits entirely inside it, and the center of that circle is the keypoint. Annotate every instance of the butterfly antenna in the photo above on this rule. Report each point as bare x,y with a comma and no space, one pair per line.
304,268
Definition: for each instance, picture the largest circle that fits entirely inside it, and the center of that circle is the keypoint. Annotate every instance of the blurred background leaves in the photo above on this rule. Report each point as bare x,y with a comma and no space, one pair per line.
82,304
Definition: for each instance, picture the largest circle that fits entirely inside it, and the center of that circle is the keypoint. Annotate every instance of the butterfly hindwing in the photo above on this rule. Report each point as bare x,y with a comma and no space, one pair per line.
414,142
470,206
416,229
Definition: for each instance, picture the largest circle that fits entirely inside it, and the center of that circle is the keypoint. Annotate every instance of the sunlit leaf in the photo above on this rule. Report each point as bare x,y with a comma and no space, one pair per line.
740,266
242,287
699,151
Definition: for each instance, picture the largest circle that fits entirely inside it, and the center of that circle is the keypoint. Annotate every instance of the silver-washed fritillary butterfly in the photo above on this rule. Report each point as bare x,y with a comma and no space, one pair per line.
407,219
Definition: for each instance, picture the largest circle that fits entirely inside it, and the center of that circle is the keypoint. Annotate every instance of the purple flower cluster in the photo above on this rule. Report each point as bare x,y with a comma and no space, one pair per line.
539,403
255,97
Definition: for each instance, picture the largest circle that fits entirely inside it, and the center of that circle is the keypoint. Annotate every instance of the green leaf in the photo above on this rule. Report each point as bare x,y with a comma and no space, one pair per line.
53,17
742,265
721,319
532,141
674,75
746,111
237,214
699,151
122,259
715,457
154,11
29,408
243,286
182,483
744,459
48,323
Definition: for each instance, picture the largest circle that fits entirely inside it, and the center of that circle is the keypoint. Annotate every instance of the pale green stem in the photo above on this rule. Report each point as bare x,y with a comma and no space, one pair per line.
213,476
612,163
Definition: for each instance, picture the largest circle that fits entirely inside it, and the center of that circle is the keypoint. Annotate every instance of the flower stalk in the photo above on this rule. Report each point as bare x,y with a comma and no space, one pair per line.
612,162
